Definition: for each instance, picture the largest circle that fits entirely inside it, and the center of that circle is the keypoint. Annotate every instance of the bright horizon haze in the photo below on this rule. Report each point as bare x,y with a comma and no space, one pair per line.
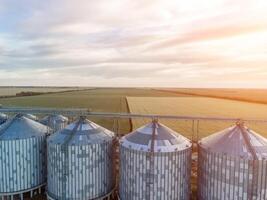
125,43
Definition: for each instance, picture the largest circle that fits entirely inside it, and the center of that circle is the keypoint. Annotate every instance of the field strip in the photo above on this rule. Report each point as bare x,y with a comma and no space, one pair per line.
245,95
197,106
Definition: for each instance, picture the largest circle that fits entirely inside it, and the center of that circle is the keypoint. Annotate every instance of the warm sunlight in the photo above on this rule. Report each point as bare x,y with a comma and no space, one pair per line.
133,100
65,43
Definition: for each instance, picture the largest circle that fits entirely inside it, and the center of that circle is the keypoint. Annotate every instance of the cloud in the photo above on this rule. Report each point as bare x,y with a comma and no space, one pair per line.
150,42
212,33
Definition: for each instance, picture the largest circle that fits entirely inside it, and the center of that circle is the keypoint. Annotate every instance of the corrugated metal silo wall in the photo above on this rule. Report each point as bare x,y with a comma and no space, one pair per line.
89,171
56,126
22,164
224,177
170,179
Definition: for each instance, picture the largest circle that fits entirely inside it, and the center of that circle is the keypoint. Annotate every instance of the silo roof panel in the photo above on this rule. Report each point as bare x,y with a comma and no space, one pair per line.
87,132
21,127
237,140
3,116
165,139
54,118
31,116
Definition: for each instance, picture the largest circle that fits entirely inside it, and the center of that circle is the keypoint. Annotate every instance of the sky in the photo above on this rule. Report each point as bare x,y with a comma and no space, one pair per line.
140,43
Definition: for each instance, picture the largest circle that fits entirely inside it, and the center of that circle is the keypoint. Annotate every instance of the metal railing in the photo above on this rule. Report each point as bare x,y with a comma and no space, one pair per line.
87,112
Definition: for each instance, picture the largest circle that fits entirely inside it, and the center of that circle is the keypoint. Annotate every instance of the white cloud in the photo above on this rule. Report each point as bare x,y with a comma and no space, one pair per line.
148,42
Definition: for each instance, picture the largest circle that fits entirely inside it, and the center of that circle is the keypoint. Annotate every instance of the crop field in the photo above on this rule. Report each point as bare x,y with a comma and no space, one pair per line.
11,91
98,100
249,95
198,106
149,101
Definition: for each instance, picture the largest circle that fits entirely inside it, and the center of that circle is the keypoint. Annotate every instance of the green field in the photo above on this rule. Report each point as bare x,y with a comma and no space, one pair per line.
98,100
198,106
149,101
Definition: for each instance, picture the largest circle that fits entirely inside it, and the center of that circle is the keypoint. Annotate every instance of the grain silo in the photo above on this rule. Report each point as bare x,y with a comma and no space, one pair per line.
55,122
232,165
22,156
31,116
3,118
155,163
80,162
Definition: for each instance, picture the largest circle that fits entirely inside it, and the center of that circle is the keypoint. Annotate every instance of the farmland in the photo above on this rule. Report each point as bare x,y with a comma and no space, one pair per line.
197,106
248,95
98,100
149,101
12,91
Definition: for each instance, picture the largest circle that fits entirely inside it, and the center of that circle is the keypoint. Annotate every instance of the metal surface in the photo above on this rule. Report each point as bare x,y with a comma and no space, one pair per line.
22,155
158,169
86,112
3,118
30,116
80,161
236,141
55,122
233,165
164,139
109,196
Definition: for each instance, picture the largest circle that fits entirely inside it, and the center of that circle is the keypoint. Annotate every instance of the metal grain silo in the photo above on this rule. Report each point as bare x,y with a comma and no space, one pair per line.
3,118
80,162
55,122
155,163
22,156
31,116
232,165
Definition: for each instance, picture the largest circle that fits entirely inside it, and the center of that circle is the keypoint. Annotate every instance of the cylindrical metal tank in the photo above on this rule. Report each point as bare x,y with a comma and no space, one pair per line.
80,162
232,165
31,116
3,118
55,122
155,163
22,155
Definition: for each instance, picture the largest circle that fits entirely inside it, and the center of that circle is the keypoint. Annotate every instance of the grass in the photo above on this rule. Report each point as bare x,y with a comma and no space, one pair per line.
197,106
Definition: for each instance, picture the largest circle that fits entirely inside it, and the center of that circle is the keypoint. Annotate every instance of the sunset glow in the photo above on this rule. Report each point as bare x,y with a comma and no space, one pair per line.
175,43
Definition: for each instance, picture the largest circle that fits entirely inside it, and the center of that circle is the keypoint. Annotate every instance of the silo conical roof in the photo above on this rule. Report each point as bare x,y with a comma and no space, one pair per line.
56,118
31,116
237,140
3,116
157,136
82,132
21,127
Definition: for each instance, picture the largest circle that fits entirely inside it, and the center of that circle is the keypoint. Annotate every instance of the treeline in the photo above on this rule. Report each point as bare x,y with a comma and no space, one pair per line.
30,93
23,94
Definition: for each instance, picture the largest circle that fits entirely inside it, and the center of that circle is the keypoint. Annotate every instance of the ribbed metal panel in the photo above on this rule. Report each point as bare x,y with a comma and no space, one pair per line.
170,179
232,173
225,177
155,163
22,160
83,169
31,116
55,122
